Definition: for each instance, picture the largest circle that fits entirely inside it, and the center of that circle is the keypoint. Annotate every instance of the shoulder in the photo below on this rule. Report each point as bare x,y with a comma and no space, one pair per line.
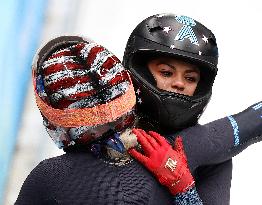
52,164
50,170
46,172
42,181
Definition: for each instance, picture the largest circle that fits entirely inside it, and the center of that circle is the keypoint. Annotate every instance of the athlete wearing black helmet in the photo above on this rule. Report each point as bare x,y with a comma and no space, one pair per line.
178,37
209,148
72,76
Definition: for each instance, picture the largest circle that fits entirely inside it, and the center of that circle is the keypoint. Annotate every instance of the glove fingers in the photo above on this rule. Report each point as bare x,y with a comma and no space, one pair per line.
180,148
150,139
138,156
179,145
161,140
142,140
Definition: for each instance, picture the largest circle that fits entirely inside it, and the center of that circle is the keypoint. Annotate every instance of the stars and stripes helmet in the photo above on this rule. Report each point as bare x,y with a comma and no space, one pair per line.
82,91
175,36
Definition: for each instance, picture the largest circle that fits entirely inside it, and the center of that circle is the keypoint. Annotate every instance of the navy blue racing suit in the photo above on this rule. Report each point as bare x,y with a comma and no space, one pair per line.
80,178
210,148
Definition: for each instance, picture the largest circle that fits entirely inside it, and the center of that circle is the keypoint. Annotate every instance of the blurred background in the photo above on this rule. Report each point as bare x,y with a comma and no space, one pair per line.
26,24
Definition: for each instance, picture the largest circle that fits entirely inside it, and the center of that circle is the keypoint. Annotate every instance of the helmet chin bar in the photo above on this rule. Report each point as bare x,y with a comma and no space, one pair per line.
179,37
165,111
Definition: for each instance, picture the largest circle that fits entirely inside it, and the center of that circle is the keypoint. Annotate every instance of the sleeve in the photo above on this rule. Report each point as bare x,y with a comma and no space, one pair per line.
190,197
220,140
214,182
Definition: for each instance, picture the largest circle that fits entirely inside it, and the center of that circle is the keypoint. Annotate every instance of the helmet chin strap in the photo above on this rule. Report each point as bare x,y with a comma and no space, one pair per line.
113,148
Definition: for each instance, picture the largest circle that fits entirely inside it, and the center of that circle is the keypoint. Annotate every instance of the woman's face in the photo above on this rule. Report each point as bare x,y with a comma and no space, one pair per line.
175,75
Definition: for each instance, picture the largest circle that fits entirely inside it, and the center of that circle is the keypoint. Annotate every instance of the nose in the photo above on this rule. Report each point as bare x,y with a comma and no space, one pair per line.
178,84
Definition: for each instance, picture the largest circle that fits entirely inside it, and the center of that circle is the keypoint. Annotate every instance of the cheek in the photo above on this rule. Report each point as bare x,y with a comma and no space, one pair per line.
159,80
191,88
163,83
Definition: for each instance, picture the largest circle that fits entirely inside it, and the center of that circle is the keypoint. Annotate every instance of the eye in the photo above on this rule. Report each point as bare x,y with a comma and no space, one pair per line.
166,73
192,79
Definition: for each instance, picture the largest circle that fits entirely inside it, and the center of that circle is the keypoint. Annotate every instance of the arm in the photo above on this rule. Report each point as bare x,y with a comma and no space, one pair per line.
213,183
169,165
222,139
190,197
215,143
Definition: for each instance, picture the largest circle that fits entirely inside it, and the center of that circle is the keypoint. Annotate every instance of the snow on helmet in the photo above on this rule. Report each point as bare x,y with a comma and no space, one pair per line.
82,91
179,37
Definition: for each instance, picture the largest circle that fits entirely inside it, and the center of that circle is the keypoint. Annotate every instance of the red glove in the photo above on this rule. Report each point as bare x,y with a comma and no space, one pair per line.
167,164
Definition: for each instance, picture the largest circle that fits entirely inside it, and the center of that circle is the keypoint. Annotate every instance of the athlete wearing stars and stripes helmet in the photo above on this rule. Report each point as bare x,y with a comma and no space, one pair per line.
68,102
79,88
86,98
171,36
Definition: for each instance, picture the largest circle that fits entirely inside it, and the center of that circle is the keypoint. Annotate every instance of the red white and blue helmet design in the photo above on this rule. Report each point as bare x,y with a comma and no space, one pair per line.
82,91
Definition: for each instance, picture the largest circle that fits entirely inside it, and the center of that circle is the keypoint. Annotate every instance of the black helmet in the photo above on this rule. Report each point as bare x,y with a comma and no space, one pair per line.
174,36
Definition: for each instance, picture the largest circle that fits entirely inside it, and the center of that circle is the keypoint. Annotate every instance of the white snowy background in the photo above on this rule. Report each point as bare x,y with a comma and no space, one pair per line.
237,26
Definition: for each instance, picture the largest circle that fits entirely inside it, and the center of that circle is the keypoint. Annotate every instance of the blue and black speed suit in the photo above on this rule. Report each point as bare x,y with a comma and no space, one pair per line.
210,148
78,177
